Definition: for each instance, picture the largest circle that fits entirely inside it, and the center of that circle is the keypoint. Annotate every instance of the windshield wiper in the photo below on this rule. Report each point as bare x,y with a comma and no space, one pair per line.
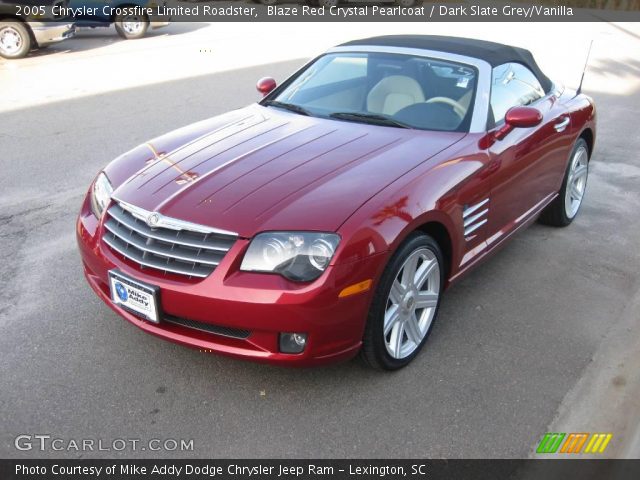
372,118
287,106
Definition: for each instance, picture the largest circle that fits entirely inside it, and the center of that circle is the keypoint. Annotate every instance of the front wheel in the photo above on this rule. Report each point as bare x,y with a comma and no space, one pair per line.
565,207
131,27
15,41
405,304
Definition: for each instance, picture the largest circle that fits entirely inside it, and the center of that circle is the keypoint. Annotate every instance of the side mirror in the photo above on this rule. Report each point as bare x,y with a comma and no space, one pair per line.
265,85
523,117
519,117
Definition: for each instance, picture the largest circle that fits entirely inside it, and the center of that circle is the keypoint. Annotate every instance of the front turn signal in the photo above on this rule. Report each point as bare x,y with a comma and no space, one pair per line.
355,288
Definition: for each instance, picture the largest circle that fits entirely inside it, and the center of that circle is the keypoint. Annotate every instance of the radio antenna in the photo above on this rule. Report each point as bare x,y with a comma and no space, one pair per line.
586,62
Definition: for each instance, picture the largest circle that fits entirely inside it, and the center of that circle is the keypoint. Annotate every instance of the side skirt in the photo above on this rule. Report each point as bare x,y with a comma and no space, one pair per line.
499,238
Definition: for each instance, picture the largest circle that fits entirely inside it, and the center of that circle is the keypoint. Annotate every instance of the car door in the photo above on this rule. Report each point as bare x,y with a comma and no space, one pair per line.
528,162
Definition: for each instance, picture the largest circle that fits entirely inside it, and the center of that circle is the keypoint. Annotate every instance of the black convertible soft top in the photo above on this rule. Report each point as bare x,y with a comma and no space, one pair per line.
493,53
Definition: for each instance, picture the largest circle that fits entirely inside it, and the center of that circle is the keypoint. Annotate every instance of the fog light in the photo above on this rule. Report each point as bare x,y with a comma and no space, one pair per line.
292,342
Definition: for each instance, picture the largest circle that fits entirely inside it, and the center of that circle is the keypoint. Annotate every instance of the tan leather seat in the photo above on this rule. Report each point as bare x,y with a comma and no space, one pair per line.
393,93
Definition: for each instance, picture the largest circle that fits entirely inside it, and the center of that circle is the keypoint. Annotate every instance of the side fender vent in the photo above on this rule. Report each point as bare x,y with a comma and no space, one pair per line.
474,216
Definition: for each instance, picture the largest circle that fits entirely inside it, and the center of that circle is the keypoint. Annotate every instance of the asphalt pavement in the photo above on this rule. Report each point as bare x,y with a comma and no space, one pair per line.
512,341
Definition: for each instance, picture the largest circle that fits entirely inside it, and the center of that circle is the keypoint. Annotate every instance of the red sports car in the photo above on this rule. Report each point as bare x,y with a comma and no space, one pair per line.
328,218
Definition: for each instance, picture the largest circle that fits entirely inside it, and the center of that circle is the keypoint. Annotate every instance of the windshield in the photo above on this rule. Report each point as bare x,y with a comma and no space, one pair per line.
388,89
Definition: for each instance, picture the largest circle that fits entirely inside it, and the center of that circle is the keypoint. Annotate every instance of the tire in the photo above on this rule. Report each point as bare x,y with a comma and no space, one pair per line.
562,211
377,346
15,40
131,27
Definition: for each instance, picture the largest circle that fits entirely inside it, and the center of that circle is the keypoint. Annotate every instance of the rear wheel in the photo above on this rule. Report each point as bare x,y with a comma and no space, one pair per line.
565,207
131,27
405,304
15,41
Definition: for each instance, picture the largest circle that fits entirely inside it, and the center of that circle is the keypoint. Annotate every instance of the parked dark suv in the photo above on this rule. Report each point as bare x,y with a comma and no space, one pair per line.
30,24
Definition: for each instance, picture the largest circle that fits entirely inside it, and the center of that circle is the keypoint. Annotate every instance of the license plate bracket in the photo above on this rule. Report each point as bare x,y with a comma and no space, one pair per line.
135,296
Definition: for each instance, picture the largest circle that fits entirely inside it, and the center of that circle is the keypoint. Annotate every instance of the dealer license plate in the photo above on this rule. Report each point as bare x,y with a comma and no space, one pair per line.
139,298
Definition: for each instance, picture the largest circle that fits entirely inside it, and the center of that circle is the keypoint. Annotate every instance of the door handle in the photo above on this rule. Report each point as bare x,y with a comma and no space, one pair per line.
562,124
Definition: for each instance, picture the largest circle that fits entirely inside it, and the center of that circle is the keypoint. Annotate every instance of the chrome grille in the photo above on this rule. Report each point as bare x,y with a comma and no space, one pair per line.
171,245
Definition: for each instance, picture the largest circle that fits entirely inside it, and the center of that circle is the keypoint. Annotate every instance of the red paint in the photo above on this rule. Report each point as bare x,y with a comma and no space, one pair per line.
517,117
265,85
523,117
261,168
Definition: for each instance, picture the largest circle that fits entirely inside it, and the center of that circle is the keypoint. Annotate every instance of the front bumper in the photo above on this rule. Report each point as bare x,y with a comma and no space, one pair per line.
262,304
46,33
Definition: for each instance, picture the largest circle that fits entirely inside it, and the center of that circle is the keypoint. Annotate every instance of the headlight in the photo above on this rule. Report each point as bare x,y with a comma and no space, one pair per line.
298,256
101,191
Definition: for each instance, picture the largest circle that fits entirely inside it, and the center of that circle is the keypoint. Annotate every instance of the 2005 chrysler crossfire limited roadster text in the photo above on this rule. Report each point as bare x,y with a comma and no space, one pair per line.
328,218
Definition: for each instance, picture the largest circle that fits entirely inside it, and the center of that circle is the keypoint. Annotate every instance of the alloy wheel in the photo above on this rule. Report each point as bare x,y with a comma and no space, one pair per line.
412,303
576,181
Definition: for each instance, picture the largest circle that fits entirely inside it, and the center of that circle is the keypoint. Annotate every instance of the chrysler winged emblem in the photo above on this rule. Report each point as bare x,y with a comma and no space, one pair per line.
153,219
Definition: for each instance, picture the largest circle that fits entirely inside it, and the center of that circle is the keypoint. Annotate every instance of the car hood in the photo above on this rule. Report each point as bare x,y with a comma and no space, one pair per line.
262,168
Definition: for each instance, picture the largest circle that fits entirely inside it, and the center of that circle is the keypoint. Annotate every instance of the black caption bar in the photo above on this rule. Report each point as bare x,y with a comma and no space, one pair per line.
351,10
319,469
